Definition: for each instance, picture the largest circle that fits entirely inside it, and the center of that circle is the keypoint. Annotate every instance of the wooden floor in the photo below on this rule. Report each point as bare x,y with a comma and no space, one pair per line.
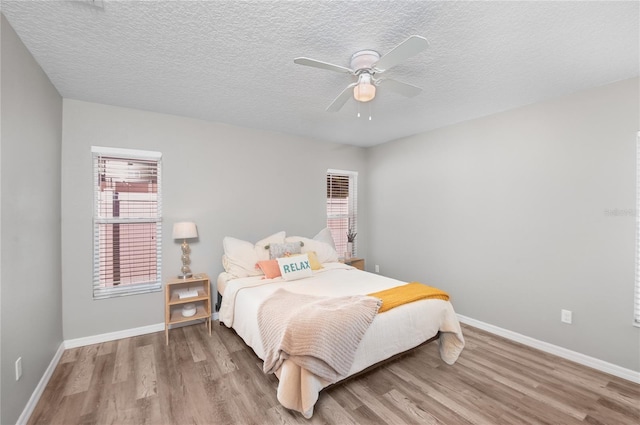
201,379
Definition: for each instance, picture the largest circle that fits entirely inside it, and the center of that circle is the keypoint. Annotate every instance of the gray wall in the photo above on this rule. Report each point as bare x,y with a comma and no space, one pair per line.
30,227
509,214
228,180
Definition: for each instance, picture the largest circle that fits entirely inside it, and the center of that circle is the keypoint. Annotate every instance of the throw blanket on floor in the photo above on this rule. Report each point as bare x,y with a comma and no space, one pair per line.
408,293
319,334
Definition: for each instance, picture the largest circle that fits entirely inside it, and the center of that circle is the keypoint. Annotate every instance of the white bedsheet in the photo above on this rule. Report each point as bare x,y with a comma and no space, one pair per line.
391,332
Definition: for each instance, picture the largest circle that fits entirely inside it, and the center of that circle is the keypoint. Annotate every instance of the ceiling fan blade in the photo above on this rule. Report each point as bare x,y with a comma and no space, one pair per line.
342,98
403,51
400,87
322,65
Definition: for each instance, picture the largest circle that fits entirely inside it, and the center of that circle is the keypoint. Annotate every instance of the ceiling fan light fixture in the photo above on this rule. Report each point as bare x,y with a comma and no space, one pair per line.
367,64
364,91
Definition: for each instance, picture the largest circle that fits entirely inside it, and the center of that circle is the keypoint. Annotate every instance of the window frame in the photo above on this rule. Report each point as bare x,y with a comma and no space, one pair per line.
339,233
100,290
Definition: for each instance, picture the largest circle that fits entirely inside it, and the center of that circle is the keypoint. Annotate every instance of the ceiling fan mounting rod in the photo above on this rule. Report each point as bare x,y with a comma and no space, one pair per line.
363,60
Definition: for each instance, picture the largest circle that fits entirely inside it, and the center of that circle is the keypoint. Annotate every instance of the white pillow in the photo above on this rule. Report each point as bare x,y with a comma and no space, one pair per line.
241,257
325,252
296,267
324,235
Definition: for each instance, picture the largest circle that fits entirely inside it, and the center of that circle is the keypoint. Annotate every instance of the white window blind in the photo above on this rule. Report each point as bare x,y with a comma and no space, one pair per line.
127,225
342,207
636,304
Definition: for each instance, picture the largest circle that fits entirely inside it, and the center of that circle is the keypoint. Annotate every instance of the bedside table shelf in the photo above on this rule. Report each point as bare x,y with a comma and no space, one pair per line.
177,317
173,303
175,299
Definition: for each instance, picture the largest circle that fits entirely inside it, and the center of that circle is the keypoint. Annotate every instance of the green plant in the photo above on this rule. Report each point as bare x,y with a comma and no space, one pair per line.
351,235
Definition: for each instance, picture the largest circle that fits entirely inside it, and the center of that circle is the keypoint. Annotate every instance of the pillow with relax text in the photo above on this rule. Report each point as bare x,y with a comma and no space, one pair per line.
313,260
296,267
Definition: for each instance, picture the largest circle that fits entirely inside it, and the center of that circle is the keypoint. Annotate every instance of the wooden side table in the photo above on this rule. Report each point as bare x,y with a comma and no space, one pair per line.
358,263
200,286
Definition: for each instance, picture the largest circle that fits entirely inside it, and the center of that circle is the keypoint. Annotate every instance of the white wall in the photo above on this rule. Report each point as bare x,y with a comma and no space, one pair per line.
31,307
228,180
509,214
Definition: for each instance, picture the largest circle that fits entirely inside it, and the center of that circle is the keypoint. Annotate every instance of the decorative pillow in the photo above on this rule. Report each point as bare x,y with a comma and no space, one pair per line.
270,268
241,257
296,267
263,253
313,260
325,252
287,249
325,236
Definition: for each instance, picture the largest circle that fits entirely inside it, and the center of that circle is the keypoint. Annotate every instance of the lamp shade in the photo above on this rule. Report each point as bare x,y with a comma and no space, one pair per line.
185,230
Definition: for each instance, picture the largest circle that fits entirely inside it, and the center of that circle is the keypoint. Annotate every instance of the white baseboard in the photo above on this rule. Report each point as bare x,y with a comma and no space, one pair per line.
37,393
127,333
112,336
574,356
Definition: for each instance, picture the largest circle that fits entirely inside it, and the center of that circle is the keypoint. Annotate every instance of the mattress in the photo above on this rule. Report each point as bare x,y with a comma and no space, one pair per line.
392,332
223,278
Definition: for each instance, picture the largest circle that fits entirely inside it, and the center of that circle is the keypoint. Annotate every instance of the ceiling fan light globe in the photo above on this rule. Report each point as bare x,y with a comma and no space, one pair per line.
364,92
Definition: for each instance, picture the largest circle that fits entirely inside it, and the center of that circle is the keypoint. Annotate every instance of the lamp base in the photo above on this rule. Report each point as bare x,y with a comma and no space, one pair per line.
185,276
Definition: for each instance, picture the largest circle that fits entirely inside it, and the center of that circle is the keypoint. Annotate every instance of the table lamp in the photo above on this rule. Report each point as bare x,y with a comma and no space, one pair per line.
185,230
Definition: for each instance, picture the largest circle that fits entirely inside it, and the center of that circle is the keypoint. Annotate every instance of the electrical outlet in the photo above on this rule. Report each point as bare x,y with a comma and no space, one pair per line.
565,316
18,368
377,268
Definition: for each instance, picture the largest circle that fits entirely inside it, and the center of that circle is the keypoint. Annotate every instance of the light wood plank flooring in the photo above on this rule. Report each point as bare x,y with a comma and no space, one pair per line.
199,379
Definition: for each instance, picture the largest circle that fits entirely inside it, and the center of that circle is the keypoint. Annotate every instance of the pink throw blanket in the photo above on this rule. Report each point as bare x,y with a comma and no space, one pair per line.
319,334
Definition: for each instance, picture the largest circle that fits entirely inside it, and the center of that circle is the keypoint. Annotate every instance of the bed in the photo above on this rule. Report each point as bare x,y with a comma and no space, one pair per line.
388,334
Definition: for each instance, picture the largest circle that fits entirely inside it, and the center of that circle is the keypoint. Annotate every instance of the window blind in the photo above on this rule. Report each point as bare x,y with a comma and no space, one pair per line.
342,207
127,240
636,304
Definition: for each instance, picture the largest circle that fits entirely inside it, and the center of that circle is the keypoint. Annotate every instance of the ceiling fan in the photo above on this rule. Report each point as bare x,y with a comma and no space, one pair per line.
366,66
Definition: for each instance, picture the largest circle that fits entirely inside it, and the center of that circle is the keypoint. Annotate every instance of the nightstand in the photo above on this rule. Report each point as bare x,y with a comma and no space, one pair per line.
358,263
179,292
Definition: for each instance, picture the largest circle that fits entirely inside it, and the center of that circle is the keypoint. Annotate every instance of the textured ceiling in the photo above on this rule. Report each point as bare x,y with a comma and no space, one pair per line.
232,61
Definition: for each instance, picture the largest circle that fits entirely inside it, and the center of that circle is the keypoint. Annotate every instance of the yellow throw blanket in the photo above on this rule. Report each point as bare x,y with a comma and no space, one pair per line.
408,293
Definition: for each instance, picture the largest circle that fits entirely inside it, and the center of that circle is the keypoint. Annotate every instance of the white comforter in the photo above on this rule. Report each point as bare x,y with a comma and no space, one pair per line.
391,332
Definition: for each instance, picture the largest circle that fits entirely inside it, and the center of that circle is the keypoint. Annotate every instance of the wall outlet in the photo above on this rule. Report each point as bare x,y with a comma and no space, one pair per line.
565,316
377,268
18,368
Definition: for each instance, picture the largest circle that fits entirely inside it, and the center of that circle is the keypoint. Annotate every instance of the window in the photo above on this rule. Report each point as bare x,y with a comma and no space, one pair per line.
636,305
342,207
127,223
